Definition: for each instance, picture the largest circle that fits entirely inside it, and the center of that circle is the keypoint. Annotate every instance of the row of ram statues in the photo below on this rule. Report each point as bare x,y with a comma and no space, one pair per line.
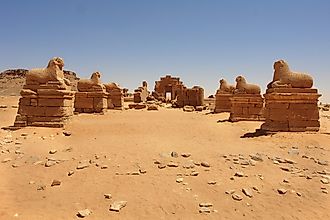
289,104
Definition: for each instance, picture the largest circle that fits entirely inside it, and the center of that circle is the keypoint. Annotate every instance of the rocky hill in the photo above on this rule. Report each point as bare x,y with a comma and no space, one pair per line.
12,81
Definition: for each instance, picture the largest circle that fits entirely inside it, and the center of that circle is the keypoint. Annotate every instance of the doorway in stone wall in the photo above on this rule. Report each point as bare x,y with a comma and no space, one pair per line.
168,96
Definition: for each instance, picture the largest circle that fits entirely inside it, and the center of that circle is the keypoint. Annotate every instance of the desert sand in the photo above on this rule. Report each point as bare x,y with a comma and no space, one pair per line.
136,156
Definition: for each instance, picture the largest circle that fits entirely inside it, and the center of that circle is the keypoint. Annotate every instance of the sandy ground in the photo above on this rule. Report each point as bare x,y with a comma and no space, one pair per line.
128,143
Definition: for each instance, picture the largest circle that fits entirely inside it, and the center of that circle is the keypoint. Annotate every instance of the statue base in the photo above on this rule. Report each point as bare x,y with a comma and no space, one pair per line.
222,102
291,109
90,102
48,106
246,107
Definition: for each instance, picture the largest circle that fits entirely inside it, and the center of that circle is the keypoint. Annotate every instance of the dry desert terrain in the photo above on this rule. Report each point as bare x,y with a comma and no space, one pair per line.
166,164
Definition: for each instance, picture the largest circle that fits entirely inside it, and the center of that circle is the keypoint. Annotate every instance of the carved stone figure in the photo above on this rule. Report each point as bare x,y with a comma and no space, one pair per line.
284,77
243,87
53,72
225,87
90,84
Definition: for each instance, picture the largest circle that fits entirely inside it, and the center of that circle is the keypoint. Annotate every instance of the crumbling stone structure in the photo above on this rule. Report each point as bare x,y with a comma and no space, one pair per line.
141,93
291,102
167,85
115,97
246,102
47,99
223,96
91,96
172,89
191,97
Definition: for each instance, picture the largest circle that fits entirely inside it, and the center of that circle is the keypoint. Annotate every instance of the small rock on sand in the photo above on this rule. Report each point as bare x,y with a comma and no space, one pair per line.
237,197
281,191
84,213
56,183
107,196
247,192
117,205
205,164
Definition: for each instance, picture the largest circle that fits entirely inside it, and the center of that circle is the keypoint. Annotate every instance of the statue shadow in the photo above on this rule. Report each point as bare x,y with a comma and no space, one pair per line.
257,133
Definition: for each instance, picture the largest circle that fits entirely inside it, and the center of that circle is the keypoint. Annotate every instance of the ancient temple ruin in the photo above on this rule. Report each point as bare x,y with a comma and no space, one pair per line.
223,96
141,93
167,88
291,102
171,88
246,102
91,96
47,99
116,97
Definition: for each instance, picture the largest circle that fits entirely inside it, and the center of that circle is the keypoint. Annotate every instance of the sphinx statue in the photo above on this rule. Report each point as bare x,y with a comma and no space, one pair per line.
53,72
243,87
284,77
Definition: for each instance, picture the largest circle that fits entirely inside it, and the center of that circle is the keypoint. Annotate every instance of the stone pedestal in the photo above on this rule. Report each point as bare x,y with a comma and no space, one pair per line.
291,109
49,105
191,97
222,102
91,102
246,107
115,99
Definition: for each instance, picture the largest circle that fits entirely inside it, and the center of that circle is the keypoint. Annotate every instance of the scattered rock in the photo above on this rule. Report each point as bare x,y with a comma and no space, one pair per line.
53,151
239,174
237,197
174,154
142,171
67,133
6,160
70,173
152,107
161,166
205,204
84,213
50,162
41,187
107,196
179,180
199,108
323,162
56,183
205,164
204,210
324,181
194,173
212,182
281,191
172,164
188,108
247,192
104,166
185,155
230,191
82,165
117,205
256,157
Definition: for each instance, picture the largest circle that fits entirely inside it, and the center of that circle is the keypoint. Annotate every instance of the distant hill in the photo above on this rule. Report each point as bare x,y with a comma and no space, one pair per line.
13,80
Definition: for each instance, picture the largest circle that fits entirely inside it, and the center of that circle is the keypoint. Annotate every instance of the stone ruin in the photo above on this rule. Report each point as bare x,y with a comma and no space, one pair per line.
141,94
190,97
167,88
172,89
47,99
246,102
91,96
115,97
223,96
291,102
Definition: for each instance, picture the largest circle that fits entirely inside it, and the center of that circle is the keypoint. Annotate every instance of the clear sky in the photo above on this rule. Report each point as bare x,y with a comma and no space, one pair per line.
200,41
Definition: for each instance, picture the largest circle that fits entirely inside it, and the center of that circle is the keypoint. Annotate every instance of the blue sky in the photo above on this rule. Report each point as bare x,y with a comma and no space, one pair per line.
199,40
